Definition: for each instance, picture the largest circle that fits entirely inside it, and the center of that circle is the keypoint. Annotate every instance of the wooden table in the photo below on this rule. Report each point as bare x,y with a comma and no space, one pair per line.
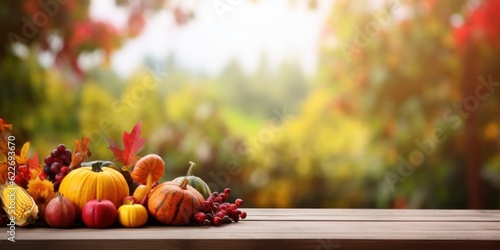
289,229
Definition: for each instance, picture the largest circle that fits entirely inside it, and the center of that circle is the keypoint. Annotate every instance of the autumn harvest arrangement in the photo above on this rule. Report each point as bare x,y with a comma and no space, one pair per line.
66,190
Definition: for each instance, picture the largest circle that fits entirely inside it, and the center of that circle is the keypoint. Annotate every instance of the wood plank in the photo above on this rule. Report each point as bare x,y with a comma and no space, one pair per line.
289,229
372,215
248,230
289,244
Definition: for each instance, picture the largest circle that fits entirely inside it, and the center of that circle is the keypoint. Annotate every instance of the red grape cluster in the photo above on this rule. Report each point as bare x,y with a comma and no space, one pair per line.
215,210
57,165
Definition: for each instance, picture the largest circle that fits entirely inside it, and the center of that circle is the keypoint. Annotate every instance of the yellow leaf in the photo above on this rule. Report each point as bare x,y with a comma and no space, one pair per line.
23,157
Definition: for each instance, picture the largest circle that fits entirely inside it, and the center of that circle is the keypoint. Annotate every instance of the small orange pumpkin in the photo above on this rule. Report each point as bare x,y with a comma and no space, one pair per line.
147,170
174,204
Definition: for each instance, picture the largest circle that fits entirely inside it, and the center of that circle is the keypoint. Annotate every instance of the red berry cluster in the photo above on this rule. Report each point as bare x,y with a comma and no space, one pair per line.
57,165
215,210
23,174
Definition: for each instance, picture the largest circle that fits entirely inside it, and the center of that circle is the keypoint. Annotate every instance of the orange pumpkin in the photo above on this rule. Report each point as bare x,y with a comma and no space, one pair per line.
174,204
147,170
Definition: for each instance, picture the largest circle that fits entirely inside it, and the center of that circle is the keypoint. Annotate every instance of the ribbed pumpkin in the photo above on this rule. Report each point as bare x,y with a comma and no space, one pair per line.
110,164
131,214
195,181
174,204
84,184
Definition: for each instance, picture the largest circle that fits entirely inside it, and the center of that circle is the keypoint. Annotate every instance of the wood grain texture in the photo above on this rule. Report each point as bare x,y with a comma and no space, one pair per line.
290,229
374,214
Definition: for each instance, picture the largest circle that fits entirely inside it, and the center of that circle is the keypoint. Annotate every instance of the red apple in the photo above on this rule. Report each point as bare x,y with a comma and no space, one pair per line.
99,213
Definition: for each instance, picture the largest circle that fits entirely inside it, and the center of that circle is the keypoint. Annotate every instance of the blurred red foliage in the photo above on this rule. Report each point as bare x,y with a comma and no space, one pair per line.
482,24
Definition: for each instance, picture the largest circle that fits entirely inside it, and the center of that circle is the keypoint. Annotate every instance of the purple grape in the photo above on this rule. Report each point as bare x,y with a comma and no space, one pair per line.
55,168
55,153
48,160
66,157
61,148
47,171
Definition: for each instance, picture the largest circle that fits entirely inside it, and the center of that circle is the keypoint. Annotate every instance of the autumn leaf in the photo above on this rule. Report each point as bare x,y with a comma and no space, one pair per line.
80,153
22,158
132,144
5,132
34,166
3,172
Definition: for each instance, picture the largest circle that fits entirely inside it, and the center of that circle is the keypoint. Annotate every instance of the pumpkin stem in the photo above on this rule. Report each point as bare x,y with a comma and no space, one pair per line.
97,166
191,168
184,183
128,202
149,181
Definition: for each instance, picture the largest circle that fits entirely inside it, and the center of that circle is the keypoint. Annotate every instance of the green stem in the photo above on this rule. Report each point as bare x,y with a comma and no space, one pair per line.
191,169
97,166
103,163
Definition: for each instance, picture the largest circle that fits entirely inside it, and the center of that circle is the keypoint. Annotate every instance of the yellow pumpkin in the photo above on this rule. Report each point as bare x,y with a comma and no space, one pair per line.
84,184
132,215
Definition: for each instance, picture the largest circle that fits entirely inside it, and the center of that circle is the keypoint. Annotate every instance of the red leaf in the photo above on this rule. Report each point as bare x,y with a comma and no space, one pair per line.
33,162
132,144
34,166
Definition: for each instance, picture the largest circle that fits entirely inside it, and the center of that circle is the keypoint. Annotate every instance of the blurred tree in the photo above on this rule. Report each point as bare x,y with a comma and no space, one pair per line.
393,90
478,40
44,38
266,89
407,75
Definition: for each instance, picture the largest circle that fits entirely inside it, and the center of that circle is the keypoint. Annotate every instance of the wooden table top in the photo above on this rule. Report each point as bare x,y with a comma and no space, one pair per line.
288,229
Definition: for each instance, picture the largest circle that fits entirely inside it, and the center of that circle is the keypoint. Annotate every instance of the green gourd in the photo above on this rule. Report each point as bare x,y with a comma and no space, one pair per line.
195,181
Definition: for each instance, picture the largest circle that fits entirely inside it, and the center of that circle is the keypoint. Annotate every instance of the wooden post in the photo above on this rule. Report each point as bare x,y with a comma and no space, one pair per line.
472,147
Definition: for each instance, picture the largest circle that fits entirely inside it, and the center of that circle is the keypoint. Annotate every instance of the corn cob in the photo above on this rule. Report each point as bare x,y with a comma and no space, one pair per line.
18,204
